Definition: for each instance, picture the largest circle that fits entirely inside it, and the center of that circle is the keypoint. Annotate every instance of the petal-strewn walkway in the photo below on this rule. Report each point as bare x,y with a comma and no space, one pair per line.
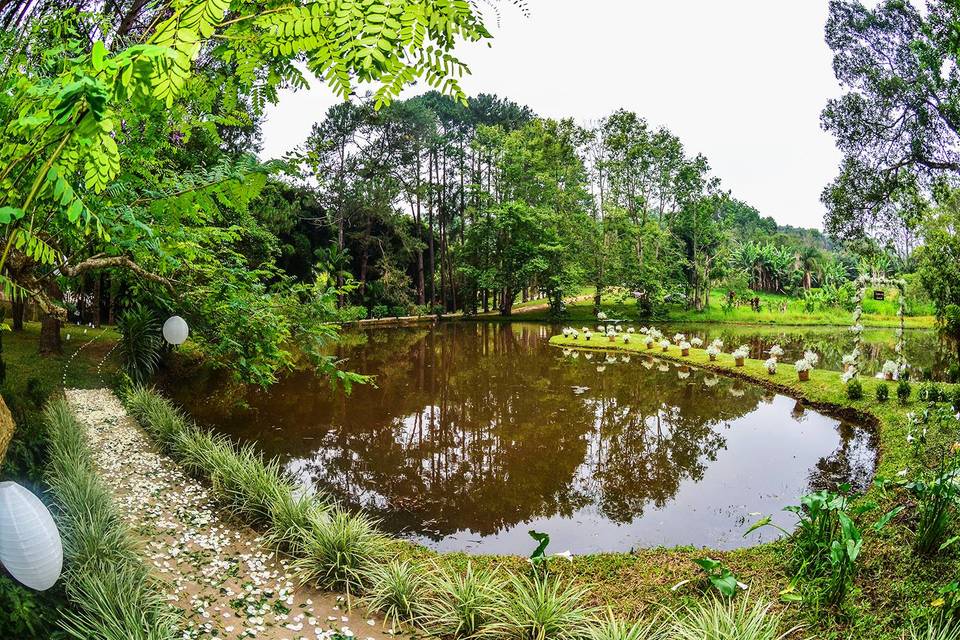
228,584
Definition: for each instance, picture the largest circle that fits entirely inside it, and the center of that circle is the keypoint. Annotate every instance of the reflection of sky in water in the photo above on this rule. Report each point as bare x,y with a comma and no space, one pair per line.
476,434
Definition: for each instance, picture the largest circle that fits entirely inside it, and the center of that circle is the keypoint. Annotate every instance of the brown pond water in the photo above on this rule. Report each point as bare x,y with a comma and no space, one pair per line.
477,433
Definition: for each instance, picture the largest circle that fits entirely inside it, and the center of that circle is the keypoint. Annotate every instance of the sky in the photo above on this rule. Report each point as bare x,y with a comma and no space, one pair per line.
741,81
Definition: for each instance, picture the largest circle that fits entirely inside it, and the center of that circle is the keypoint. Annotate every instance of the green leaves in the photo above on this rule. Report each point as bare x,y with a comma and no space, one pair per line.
720,576
10,214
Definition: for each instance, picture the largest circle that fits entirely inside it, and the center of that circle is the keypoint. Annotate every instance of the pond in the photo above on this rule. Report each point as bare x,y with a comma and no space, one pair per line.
477,433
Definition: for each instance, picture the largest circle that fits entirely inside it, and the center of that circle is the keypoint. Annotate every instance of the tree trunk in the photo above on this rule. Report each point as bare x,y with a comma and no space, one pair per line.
97,286
506,302
17,309
50,343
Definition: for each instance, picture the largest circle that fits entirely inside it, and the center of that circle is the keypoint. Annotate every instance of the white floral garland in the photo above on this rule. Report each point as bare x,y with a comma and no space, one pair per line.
857,328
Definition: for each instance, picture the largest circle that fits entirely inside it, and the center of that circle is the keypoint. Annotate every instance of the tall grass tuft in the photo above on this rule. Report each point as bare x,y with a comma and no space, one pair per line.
109,587
339,551
937,631
542,608
728,620
462,604
397,590
612,628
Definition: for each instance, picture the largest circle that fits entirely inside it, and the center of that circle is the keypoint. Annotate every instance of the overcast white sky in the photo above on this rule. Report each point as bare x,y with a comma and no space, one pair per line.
741,81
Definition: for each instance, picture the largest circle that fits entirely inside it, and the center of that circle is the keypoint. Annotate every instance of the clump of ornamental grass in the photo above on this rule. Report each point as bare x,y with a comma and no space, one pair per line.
397,590
613,628
111,592
937,631
728,619
543,607
462,604
339,550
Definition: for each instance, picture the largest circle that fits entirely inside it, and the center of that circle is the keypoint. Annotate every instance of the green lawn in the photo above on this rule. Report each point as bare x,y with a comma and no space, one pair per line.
875,313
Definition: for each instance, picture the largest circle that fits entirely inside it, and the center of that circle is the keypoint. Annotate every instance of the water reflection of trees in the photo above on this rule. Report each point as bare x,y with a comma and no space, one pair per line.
478,427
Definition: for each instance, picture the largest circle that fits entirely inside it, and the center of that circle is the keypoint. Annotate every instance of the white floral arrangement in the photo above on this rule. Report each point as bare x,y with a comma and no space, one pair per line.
857,328
626,338
710,382
684,345
584,329
566,332
601,316
618,328
683,375
898,332
848,359
624,358
600,328
648,340
713,350
848,375
611,359
588,356
812,357
610,330
601,368
574,333
644,330
575,354
567,351
678,338
587,334
741,352
771,365
697,342
630,329
802,365
890,368
776,351
656,333
664,344
718,343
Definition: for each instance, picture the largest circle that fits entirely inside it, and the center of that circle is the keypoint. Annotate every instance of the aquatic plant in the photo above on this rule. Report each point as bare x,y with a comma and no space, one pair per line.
719,576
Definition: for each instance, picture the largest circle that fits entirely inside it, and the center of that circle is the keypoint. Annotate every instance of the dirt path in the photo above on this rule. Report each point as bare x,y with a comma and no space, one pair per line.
228,584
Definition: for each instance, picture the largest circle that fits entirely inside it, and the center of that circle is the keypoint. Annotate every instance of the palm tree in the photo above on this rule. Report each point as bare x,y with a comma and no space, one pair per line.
808,262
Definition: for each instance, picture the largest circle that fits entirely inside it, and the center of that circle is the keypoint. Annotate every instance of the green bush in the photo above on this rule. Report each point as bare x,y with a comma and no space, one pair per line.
111,592
930,392
398,311
380,311
903,391
462,604
139,342
854,389
352,313
437,310
955,399
883,392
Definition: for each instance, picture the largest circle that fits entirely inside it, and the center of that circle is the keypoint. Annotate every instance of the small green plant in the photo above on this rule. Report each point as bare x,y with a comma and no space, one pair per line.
36,392
903,391
720,577
937,630
883,392
854,389
396,590
538,607
462,604
380,311
612,628
728,619
139,342
930,392
937,501
955,399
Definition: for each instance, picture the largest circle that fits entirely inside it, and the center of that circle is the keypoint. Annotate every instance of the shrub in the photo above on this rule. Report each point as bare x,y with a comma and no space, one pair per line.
37,392
139,342
380,311
883,392
398,311
903,391
929,392
462,604
438,310
955,399
351,313
854,389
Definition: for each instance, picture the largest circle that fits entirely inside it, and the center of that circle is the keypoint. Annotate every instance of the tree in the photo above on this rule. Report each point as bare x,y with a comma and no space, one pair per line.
938,264
898,125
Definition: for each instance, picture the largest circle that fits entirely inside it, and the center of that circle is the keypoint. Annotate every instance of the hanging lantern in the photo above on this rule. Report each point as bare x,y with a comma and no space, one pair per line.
175,330
30,546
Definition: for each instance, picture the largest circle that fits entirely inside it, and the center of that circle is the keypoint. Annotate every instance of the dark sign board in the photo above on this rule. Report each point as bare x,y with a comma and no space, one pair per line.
878,294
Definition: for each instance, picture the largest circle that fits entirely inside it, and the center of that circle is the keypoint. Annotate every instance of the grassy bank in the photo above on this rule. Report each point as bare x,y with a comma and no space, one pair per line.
876,313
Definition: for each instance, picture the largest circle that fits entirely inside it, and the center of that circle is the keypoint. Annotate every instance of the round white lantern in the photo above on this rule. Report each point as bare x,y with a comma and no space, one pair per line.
175,330
30,546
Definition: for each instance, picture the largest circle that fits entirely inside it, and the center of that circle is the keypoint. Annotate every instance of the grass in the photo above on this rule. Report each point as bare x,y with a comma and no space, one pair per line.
875,313
111,593
729,620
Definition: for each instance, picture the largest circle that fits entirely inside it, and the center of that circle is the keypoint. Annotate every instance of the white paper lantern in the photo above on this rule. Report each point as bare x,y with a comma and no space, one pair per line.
30,546
175,330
